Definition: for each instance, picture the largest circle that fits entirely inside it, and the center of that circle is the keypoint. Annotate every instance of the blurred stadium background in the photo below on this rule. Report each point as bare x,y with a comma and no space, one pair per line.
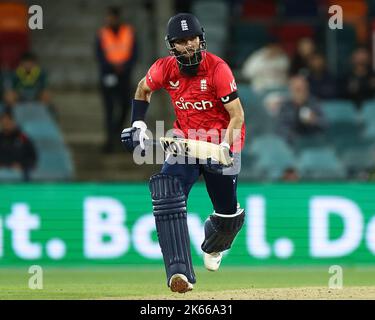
309,194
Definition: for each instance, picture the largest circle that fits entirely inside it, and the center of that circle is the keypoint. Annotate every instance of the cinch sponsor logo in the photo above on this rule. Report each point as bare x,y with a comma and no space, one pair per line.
199,105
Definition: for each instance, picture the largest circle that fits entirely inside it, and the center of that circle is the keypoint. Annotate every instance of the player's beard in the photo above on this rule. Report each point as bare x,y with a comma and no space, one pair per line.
189,70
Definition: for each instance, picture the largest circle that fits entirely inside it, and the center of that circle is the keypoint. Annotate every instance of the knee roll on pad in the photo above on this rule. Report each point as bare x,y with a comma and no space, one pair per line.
169,208
220,231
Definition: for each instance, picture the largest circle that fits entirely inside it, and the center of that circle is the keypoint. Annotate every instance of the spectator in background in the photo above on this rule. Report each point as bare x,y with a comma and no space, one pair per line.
300,62
16,150
360,82
273,101
300,115
322,83
290,174
29,83
116,53
267,68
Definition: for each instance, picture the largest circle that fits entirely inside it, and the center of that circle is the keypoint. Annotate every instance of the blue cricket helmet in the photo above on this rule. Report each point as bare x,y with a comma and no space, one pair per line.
185,25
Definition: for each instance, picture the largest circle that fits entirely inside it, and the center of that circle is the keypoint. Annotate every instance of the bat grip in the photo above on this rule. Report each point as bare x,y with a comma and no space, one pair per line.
150,143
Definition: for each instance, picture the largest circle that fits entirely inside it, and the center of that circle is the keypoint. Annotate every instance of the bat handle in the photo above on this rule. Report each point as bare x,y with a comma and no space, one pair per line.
149,143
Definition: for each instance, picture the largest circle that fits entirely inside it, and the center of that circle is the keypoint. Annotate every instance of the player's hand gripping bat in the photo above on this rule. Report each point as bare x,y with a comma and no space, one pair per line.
185,147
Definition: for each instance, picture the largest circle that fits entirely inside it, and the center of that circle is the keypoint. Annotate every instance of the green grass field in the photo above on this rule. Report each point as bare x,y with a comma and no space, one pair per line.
228,283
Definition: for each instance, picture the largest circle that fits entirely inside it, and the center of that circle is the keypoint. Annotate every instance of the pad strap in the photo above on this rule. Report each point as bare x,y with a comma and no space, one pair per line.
220,231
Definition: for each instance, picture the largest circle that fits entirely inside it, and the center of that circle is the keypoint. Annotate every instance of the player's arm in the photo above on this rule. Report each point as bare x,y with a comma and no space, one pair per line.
226,91
140,104
141,101
143,91
151,82
236,114
233,132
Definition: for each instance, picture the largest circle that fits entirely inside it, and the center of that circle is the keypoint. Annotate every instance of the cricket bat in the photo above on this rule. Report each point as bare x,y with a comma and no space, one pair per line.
196,149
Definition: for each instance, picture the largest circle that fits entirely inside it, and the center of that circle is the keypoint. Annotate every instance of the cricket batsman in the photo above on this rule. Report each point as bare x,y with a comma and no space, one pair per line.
204,95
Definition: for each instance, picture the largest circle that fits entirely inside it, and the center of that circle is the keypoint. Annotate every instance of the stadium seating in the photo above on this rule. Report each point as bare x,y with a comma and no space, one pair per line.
216,37
316,153
248,170
53,164
339,111
320,163
258,120
344,129
318,140
268,144
341,44
54,160
358,160
271,156
209,13
369,132
10,175
37,123
344,136
247,95
368,112
43,131
367,117
247,37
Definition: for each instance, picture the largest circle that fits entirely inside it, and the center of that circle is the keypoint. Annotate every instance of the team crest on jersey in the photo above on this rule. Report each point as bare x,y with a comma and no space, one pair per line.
203,85
174,85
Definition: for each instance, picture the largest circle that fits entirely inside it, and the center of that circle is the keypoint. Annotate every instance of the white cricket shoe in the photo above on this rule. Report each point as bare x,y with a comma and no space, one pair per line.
212,260
179,283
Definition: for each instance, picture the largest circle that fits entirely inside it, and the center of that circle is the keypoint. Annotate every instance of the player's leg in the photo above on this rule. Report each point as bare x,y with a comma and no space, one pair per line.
223,225
187,173
169,191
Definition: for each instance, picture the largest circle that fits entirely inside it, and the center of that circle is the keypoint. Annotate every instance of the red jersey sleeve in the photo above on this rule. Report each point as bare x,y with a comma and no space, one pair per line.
154,77
224,80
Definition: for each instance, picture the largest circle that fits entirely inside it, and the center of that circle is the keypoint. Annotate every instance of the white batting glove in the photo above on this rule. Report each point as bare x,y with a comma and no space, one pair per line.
225,144
142,134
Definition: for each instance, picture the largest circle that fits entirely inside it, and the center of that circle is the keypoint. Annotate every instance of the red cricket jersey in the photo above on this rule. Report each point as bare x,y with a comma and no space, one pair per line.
197,100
